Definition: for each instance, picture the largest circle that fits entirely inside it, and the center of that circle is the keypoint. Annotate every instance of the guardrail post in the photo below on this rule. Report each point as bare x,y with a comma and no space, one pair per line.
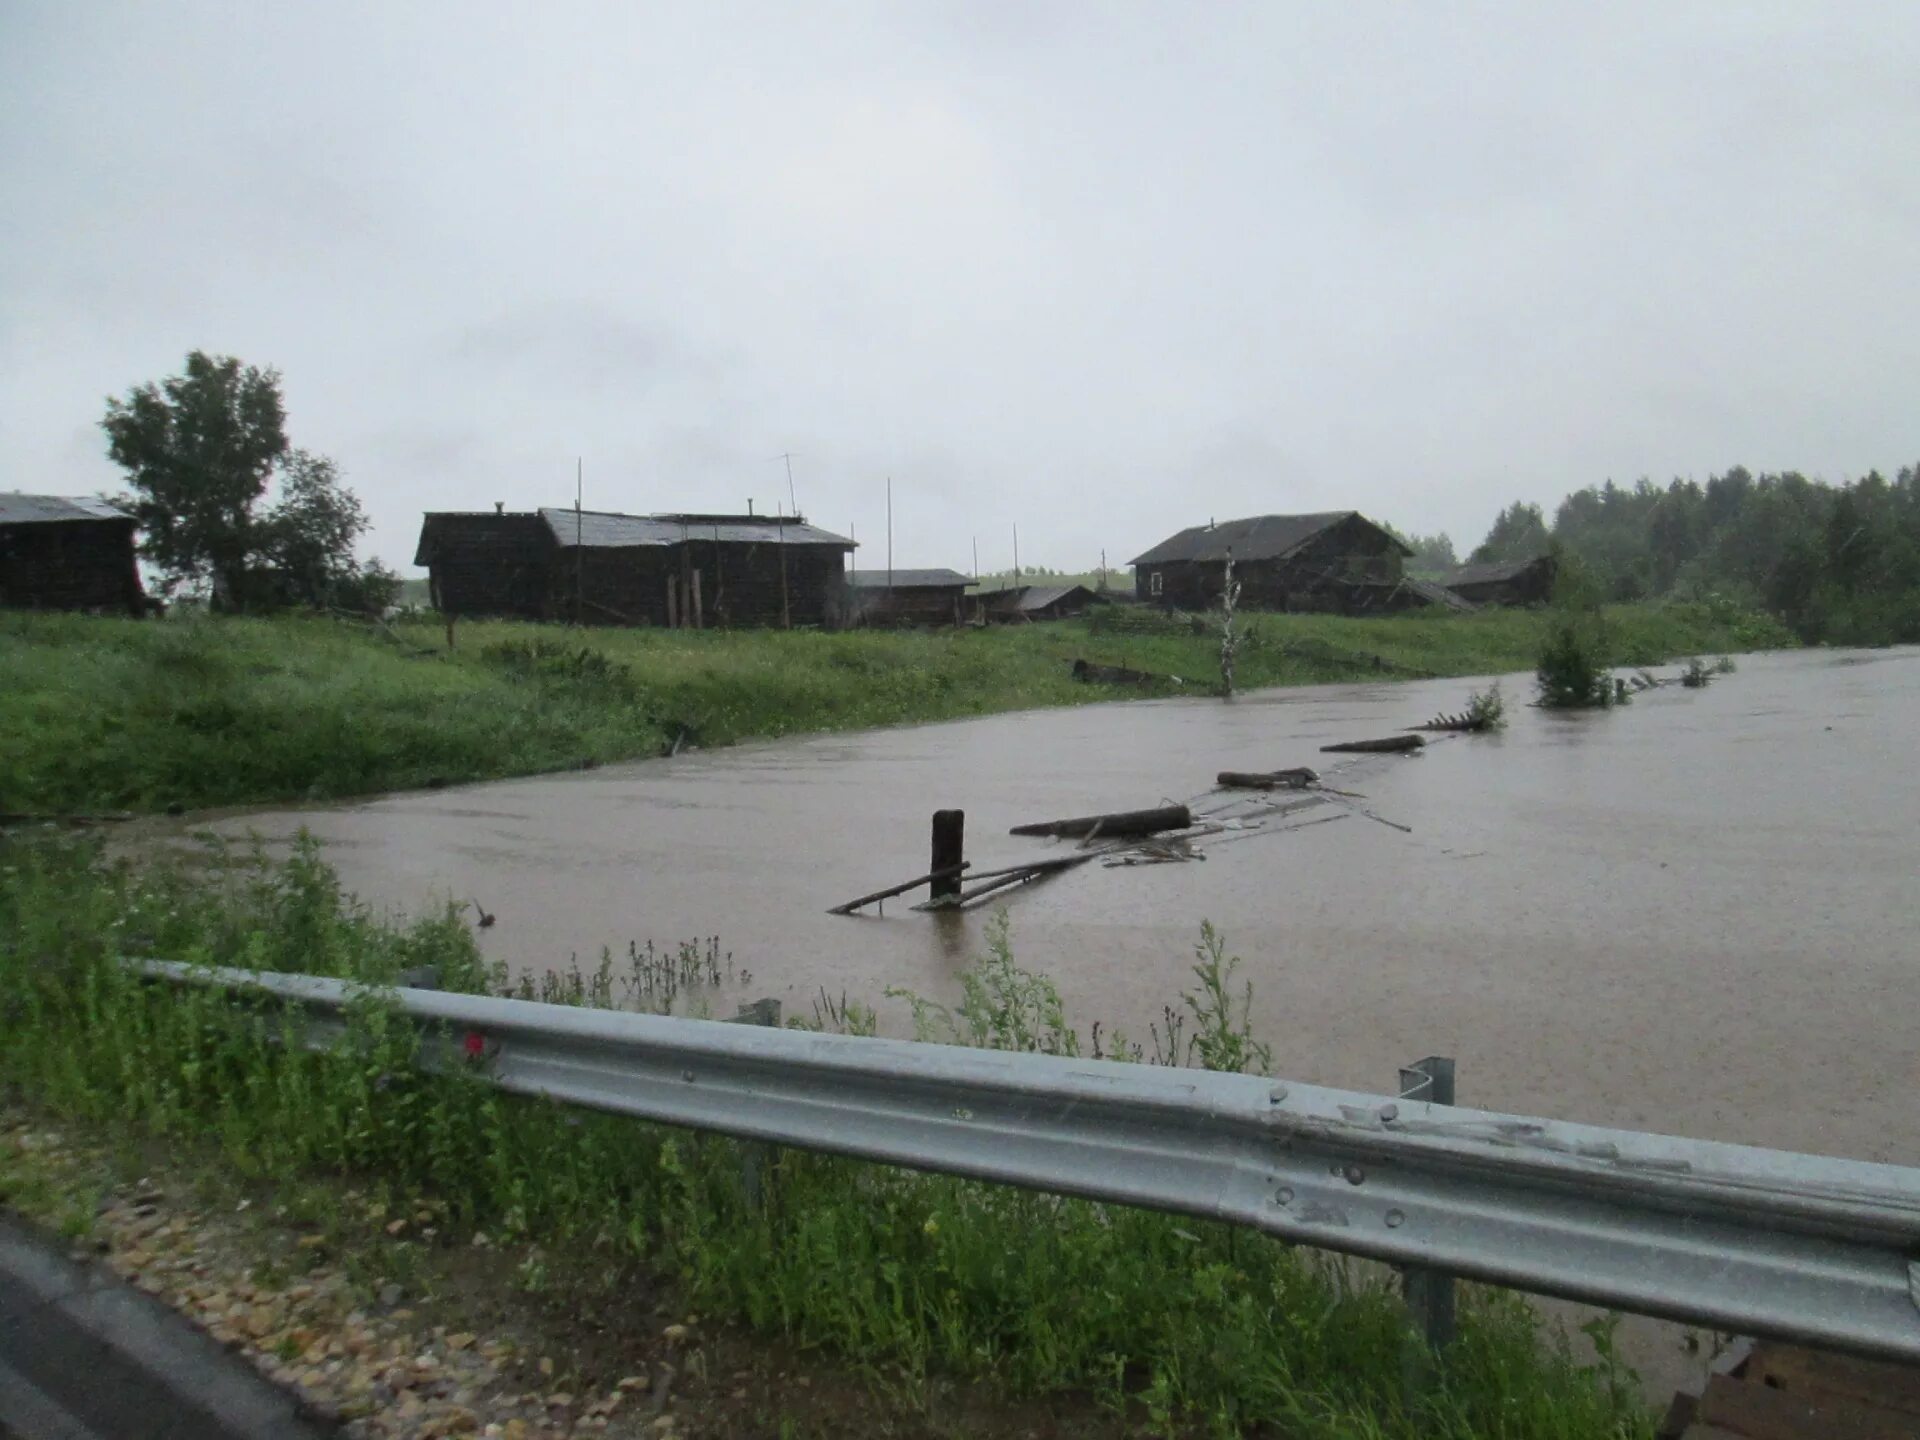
756,1156
1428,1293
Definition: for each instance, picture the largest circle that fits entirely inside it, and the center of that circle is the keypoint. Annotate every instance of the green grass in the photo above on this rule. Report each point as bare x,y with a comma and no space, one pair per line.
1179,1326
106,714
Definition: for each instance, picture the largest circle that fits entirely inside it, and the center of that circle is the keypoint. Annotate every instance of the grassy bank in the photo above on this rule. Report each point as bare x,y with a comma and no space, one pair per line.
1172,1326
105,714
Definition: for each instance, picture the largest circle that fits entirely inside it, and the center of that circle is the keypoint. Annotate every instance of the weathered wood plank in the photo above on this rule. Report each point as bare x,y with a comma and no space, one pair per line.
1760,1412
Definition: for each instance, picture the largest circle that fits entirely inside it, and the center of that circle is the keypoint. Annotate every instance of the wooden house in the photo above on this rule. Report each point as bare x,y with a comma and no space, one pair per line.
1506,582
58,553
906,597
1339,561
606,568
1035,602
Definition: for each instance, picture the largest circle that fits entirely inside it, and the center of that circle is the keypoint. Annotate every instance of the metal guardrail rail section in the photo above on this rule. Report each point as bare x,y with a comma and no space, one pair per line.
1754,1241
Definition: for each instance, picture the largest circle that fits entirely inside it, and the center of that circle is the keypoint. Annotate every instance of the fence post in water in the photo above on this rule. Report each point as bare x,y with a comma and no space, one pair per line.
949,850
756,1156
1428,1293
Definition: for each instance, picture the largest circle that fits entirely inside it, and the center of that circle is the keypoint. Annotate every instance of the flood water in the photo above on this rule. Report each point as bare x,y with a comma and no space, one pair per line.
1694,914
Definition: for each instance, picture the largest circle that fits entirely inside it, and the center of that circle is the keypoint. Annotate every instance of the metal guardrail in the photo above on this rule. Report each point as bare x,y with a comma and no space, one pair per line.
1753,1241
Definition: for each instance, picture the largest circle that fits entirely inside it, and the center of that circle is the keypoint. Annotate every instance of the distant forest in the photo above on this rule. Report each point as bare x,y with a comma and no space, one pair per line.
1838,563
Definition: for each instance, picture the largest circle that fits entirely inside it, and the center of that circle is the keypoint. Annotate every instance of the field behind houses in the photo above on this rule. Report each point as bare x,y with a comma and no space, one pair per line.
107,714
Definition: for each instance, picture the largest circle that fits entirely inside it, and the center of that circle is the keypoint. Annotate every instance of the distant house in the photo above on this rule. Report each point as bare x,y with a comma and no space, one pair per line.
58,553
1340,561
602,567
1507,582
906,597
1035,602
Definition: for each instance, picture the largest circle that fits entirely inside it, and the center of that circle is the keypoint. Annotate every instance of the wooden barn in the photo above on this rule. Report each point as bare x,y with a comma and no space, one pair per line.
1340,561
1035,602
906,597
606,568
58,553
1506,582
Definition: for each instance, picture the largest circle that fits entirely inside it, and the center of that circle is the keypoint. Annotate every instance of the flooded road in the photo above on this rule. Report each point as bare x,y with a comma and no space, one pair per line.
1693,915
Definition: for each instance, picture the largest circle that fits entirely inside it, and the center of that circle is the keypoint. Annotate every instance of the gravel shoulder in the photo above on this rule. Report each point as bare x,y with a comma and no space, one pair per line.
362,1324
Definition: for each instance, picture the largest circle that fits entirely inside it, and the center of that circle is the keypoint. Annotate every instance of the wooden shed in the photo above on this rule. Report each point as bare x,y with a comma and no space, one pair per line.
604,567
1506,582
1036,602
1339,561
61,553
906,597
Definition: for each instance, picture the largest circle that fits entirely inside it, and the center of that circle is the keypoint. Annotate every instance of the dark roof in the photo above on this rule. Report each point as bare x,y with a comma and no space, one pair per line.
1434,594
1034,597
17,509
906,579
1493,572
1259,537
609,530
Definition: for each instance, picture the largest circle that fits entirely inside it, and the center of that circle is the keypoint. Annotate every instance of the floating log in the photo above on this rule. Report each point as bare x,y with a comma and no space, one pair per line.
1392,744
1298,778
1461,724
929,878
1122,822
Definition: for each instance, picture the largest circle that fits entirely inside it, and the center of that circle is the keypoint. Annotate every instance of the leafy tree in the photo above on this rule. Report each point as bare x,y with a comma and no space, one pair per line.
1519,533
1431,553
308,536
198,449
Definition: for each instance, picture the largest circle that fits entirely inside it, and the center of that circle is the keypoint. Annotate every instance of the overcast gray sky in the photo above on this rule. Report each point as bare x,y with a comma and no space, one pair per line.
1102,270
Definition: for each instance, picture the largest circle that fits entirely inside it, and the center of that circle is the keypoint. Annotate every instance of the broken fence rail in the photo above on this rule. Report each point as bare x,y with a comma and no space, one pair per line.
1758,1242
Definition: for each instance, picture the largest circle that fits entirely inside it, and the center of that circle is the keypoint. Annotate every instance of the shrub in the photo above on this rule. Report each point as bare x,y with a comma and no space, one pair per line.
1572,672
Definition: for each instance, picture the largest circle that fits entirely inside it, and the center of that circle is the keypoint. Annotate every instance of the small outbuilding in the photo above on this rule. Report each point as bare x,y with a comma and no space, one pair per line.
1036,602
906,597
1338,561
1506,582
63,553
603,567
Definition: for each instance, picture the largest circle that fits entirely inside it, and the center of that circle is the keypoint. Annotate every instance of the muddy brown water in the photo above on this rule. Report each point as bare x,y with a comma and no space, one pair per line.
1693,915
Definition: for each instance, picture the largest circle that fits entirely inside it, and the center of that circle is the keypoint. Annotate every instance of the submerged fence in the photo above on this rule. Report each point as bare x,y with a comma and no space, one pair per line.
1759,1242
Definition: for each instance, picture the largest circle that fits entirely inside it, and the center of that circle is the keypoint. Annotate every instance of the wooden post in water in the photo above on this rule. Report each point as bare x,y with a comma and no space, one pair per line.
949,852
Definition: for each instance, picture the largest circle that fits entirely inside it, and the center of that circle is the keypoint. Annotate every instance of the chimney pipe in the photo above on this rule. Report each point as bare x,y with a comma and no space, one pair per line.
749,505
499,507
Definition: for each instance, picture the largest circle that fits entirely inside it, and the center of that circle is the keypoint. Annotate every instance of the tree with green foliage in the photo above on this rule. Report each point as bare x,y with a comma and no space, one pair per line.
1519,533
309,534
198,449
1432,554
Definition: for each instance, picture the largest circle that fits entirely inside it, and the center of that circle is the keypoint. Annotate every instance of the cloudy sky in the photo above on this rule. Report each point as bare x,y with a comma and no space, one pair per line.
1098,269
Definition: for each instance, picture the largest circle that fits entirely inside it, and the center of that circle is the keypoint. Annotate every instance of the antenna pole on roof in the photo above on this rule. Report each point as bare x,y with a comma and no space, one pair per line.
1016,553
889,536
780,531
793,505
976,558
579,552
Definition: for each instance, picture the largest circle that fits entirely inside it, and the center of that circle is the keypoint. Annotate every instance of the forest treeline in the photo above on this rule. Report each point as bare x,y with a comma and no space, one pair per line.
1837,563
